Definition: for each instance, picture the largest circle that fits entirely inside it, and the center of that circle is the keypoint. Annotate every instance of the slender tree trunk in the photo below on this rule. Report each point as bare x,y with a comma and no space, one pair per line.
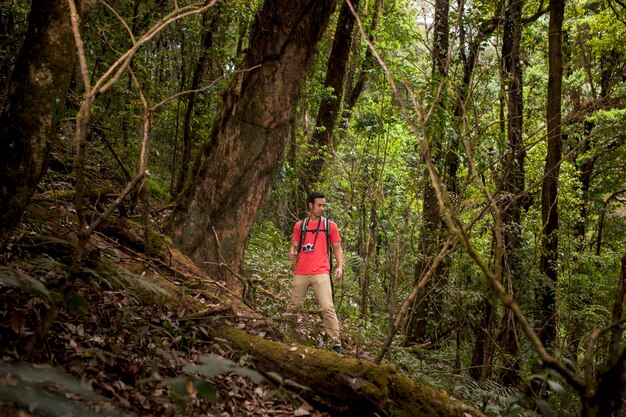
549,195
585,171
330,105
234,168
432,221
369,256
482,355
36,93
369,63
513,180
201,69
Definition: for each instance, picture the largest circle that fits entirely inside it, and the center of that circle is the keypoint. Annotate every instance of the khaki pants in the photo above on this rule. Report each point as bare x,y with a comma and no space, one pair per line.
323,290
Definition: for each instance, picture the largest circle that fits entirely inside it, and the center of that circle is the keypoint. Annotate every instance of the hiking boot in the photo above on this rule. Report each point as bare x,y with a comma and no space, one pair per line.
336,349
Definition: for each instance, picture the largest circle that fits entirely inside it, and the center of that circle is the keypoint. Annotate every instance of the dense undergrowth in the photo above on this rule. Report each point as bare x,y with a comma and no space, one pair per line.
134,335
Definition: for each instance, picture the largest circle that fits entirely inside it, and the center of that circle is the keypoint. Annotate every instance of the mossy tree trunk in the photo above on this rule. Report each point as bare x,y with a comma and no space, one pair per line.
550,187
432,230
513,179
346,386
233,171
36,93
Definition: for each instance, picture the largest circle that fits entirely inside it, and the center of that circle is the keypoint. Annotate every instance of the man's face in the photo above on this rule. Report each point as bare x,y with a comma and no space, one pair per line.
318,207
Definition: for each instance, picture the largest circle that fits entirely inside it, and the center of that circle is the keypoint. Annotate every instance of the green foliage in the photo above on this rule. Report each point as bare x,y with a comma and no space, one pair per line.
158,189
197,382
14,278
49,392
374,175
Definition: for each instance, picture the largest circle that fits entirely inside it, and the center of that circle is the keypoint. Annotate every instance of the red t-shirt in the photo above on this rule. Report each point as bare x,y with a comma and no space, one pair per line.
315,262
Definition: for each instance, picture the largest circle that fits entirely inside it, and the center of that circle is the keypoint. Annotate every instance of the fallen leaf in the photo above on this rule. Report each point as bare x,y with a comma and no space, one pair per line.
301,412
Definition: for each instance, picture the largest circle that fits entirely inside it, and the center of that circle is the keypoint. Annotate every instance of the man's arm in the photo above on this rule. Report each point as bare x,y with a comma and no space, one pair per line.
293,250
295,242
338,251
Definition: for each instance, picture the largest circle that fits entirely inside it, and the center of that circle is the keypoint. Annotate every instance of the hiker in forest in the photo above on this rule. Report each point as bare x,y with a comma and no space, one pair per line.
312,240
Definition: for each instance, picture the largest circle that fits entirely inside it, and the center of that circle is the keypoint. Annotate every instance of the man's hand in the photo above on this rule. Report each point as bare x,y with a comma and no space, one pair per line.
338,273
293,253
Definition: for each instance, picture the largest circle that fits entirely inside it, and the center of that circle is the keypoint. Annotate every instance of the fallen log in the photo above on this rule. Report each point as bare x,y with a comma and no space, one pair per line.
346,386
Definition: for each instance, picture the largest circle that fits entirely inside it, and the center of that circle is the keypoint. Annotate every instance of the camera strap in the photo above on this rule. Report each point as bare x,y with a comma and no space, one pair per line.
317,231
304,229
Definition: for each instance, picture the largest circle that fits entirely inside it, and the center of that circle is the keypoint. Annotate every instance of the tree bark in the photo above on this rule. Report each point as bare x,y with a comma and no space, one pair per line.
36,92
328,111
234,168
431,239
346,386
369,63
202,68
482,354
513,179
469,50
549,194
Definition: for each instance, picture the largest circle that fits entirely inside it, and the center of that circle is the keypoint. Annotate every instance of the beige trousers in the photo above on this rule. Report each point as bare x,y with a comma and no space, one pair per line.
323,291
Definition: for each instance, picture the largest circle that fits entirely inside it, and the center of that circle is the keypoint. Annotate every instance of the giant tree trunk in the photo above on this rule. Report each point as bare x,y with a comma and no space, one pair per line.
513,180
346,386
328,112
549,195
234,168
36,93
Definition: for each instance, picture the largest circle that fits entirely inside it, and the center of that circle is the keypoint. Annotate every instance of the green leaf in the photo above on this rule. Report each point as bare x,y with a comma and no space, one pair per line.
13,278
178,385
544,408
212,365
207,391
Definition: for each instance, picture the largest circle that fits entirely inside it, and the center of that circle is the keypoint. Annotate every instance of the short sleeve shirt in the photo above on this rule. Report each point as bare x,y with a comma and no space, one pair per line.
315,262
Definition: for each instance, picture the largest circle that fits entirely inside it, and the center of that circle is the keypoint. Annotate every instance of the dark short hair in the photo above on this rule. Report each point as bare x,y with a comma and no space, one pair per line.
313,196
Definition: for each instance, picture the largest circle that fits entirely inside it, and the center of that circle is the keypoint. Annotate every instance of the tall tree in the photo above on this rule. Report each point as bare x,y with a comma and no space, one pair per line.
513,178
334,83
234,168
431,228
484,346
549,193
36,92
201,70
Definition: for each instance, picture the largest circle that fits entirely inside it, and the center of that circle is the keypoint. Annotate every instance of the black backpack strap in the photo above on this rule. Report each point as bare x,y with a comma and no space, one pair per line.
304,224
328,248
330,258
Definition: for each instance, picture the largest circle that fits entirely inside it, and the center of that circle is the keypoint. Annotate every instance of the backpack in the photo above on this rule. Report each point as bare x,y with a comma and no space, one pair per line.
304,225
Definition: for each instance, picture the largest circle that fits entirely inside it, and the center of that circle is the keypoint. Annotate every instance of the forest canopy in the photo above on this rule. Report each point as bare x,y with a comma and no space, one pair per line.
472,156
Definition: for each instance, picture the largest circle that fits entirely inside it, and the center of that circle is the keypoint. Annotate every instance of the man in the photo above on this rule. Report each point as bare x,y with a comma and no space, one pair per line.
313,263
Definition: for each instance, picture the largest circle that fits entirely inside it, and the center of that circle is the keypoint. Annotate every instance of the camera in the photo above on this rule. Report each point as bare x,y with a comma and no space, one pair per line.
307,248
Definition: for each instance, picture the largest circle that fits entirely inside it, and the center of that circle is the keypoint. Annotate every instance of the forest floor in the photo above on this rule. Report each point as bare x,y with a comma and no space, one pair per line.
141,332
134,335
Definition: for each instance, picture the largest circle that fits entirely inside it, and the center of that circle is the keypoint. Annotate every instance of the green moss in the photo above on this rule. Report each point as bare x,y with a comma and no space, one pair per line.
157,189
347,380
